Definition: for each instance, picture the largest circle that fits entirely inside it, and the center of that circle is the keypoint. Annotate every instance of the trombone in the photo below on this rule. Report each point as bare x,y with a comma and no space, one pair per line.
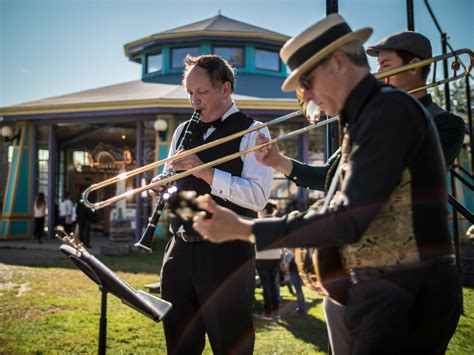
309,110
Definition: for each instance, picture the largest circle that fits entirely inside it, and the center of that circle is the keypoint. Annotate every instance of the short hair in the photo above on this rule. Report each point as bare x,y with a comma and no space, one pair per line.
406,57
218,69
356,53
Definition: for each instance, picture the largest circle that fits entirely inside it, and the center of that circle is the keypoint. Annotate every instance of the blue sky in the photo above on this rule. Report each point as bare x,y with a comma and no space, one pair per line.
56,47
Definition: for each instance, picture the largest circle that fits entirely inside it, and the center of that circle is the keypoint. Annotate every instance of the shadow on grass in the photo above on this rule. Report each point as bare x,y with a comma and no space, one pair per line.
308,328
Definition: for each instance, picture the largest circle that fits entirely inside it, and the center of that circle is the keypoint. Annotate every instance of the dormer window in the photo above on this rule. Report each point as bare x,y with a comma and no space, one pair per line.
234,55
154,63
267,60
178,55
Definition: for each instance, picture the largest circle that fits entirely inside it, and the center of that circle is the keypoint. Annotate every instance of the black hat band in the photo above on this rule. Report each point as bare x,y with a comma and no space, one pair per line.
314,46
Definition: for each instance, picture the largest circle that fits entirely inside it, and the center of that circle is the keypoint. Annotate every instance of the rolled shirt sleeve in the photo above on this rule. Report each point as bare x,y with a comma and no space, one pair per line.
252,189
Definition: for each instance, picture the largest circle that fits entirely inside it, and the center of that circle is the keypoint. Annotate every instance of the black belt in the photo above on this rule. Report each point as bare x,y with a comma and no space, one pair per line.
370,273
189,238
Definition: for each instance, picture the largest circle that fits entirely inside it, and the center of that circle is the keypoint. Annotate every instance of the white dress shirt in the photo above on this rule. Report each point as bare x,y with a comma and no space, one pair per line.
252,189
270,254
65,208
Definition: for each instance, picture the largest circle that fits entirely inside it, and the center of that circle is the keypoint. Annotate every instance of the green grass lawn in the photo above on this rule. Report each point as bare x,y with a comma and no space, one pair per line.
56,308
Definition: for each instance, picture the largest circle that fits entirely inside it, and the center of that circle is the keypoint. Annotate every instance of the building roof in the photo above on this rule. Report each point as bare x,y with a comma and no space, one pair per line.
218,26
164,91
222,24
139,94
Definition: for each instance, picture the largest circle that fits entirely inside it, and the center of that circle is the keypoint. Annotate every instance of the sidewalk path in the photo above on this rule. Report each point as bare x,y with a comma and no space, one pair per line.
48,244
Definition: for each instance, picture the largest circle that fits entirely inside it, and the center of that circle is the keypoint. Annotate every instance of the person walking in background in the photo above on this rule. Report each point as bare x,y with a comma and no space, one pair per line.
268,262
39,214
65,212
288,264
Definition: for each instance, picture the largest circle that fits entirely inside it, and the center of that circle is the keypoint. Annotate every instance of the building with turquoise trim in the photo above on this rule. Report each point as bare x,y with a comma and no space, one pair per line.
68,142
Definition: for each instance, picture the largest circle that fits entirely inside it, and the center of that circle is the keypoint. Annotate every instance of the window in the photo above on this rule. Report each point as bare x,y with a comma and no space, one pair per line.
10,154
154,63
178,55
267,60
80,159
43,158
234,55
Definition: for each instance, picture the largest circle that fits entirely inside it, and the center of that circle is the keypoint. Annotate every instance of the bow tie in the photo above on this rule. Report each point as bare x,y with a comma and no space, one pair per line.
204,126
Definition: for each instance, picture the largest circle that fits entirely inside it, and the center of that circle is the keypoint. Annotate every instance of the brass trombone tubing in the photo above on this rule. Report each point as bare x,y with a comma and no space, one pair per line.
428,61
210,164
394,71
425,62
186,153
180,155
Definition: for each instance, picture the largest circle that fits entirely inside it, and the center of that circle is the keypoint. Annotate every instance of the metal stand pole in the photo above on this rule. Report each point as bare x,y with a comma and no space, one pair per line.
410,16
469,121
103,322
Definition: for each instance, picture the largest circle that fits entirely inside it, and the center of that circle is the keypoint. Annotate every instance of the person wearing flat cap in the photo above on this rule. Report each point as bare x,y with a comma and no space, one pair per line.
389,219
411,47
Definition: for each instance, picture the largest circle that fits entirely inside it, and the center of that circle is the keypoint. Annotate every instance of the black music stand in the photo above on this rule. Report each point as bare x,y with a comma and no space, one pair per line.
151,306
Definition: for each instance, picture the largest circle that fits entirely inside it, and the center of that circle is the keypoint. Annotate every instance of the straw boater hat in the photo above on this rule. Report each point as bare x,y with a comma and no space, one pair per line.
304,51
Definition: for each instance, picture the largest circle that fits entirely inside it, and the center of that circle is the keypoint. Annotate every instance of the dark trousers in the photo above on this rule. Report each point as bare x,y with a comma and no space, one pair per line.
39,227
267,270
409,312
85,232
211,287
68,227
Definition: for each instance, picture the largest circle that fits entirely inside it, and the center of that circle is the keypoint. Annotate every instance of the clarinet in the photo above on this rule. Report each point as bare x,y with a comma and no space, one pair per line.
146,241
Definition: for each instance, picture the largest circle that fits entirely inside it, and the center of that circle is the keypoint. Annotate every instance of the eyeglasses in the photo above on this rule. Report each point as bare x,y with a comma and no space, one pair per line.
306,80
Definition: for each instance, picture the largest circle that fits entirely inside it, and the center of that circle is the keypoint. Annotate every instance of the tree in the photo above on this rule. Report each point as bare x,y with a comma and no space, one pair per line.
457,94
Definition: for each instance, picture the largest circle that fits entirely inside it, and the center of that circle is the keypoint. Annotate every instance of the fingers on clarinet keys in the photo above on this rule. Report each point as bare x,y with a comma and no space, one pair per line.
157,189
184,204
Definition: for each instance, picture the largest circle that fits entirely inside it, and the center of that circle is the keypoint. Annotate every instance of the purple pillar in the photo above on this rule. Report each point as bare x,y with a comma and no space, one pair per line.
52,165
138,197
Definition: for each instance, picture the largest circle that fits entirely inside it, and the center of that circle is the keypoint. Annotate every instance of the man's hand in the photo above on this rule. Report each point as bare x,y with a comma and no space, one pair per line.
190,162
271,156
153,192
224,225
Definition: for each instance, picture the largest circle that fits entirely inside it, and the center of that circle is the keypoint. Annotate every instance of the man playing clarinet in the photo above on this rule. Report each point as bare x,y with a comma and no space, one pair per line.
211,286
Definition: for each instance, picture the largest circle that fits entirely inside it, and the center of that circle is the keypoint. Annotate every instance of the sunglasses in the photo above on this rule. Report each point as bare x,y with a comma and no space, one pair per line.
306,80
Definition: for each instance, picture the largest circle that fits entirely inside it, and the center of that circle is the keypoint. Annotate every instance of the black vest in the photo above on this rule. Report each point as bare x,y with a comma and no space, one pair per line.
234,123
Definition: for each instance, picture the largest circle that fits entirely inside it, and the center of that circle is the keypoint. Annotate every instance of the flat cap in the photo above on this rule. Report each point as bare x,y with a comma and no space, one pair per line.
412,42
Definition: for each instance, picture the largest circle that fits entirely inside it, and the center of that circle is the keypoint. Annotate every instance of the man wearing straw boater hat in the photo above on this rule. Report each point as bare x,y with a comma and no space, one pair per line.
398,49
389,219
